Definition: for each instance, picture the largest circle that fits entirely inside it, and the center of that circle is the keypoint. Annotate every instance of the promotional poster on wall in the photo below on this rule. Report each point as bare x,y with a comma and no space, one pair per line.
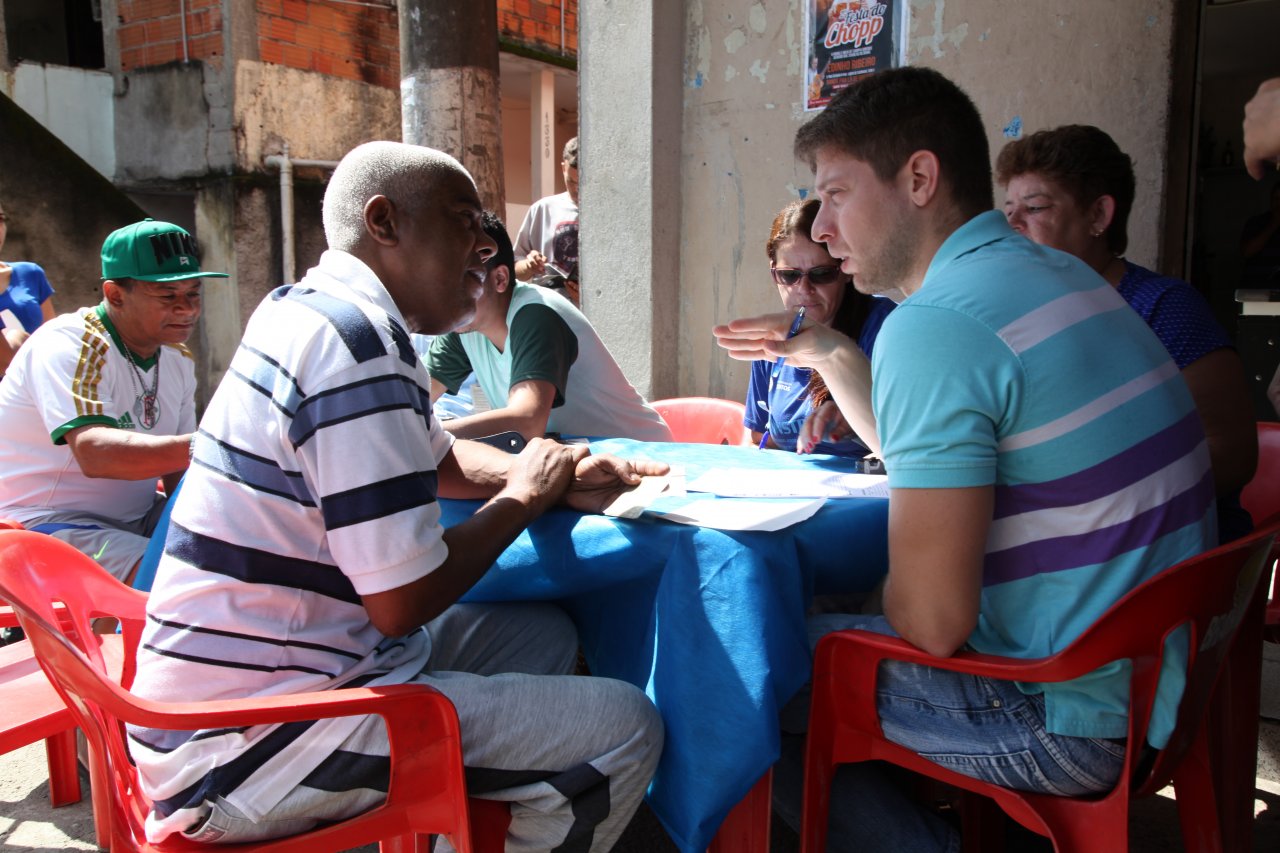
849,38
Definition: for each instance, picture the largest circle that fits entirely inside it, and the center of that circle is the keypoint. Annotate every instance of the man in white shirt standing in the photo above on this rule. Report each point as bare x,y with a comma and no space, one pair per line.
550,232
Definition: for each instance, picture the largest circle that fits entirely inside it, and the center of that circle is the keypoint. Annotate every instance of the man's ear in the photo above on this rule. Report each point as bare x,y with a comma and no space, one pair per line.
380,220
501,278
921,173
113,293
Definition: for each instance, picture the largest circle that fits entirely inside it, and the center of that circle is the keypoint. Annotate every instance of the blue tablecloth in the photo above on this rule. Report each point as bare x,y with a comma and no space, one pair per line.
710,623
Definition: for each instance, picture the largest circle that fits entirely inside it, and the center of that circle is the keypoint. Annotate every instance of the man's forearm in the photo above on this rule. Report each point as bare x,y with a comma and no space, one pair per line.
472,471
495,421
848,378
116,454
527,410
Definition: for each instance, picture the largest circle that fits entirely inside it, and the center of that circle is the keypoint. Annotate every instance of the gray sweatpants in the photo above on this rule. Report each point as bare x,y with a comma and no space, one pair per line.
572,754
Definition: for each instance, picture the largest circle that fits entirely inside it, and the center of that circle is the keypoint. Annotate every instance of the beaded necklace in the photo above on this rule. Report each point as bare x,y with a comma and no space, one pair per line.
147,406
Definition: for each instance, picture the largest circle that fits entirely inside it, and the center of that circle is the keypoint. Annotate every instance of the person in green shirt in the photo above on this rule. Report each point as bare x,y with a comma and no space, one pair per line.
538,361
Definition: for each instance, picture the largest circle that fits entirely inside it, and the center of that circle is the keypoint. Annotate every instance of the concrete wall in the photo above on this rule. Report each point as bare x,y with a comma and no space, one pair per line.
275,105
74,104
163,131
60,209
1027,65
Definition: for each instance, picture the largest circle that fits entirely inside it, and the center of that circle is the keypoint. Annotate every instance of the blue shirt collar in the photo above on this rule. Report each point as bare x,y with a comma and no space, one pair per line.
981,230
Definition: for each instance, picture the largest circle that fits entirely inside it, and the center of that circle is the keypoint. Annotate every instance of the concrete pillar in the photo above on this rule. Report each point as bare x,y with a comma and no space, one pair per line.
449,95
630,197
545,157
220,320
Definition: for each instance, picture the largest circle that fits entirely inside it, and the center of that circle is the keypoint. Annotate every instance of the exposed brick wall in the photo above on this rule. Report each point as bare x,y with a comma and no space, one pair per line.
536,24
150,32
343,40
358,42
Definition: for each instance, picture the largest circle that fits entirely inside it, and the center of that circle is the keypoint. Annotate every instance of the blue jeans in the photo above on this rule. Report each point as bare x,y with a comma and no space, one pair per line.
980,727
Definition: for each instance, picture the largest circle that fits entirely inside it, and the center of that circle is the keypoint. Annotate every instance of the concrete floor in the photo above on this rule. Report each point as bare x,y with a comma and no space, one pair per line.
30,825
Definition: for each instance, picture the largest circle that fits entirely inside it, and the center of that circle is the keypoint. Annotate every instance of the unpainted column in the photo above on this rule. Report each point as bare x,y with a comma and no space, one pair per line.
449,94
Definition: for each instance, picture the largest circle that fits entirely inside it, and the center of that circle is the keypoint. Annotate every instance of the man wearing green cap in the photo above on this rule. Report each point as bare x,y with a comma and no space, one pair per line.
100,403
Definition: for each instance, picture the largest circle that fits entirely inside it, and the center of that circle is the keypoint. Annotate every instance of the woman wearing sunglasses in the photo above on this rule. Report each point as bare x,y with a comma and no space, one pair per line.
781,397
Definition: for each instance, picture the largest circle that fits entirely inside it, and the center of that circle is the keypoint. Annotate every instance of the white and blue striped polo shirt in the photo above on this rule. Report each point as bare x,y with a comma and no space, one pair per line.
313,483
1017,366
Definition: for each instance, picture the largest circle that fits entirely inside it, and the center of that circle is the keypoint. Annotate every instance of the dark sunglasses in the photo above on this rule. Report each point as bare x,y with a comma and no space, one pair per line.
816,275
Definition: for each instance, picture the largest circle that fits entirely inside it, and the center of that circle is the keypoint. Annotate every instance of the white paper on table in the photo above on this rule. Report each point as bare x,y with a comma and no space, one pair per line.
743,514
789,483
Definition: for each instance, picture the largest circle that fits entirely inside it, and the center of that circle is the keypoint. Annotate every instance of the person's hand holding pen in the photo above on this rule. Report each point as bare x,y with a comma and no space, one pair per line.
770,337
835,356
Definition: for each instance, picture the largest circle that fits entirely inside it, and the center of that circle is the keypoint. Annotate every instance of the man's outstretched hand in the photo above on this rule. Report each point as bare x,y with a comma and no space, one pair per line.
598,480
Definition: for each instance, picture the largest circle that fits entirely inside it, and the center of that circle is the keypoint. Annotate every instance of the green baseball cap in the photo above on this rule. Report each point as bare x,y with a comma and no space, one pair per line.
152,251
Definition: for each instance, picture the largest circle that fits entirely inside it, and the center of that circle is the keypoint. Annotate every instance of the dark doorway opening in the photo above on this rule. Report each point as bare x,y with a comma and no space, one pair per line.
63,32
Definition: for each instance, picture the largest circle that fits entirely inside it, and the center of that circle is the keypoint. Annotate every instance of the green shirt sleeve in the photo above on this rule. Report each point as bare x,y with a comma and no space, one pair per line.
59,435
542,347
447,362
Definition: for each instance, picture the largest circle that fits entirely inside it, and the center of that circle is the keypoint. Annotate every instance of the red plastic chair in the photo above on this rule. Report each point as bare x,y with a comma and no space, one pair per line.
8,619
1262,499
31,710
1211,592
704,420
427,793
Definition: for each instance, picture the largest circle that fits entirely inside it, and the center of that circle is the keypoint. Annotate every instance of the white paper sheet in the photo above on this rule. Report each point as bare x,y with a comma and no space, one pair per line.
789,483
743,514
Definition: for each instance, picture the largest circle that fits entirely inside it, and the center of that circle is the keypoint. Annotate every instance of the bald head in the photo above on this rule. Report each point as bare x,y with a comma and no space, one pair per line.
405,174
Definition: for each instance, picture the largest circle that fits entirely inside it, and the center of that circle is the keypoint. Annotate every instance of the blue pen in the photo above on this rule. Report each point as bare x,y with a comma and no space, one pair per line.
777,365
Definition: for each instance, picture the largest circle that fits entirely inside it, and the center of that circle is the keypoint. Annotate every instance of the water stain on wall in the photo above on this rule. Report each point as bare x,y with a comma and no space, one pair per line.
936,40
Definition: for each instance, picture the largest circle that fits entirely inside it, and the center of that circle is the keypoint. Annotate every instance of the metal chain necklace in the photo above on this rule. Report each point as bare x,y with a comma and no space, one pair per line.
147,406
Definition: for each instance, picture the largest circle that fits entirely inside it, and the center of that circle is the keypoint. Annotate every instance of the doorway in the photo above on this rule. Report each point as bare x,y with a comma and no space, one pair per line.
1237,52
63,32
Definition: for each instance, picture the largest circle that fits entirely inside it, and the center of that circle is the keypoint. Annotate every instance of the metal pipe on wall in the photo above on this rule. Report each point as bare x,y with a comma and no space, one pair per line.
286,165
182,16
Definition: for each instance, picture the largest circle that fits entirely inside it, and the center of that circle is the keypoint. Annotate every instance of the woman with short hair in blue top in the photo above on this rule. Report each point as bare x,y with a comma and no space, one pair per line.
1071,188
25,300
781,397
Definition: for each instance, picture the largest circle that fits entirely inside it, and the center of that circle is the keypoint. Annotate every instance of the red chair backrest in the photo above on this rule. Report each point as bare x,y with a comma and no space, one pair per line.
57,604
1210,594
1262,496
8,619
704,420
38,571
